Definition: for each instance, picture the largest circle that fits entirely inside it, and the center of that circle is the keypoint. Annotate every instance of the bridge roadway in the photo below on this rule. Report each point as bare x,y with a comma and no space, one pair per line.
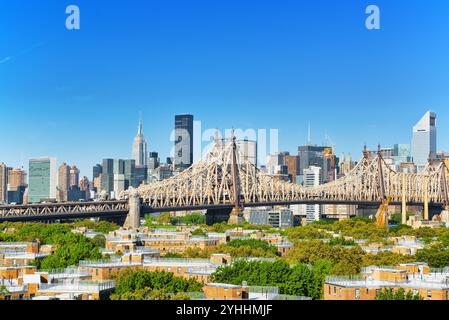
120,209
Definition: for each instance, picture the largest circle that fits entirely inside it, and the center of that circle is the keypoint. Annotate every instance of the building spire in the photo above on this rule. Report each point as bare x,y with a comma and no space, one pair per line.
139,128
309,135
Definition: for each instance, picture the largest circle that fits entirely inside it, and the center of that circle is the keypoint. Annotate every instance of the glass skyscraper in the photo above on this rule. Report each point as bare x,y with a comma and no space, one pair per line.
183,141
424,140
42,179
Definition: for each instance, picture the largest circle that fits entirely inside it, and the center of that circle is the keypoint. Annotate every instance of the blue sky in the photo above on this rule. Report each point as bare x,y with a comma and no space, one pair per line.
280,64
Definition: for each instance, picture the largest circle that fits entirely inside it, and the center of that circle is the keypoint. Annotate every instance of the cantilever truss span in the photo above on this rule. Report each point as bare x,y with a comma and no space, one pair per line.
211,182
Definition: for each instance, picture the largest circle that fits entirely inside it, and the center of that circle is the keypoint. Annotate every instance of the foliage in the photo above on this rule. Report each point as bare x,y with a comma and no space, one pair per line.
385,258
346,261
96,226
308,232
253,244
192,219
3,290
340,241
147,285
150,294
390,294
199,232
99,240
164,218
436,257
300,279
71,249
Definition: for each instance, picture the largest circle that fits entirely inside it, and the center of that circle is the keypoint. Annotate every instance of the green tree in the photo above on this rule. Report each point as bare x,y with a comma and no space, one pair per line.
147,285
390,294
71,248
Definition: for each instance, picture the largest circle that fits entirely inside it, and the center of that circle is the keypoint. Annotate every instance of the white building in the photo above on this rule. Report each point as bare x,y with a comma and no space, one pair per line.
119,183
312,178
139,151
424,144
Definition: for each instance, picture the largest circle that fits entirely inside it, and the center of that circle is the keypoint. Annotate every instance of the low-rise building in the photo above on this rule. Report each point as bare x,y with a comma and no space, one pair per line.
416,278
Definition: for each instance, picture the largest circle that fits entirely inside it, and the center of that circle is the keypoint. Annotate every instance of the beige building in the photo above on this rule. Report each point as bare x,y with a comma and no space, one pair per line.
63,182
416,278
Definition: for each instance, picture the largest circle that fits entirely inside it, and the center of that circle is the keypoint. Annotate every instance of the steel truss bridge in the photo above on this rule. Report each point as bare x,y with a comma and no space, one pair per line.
225,179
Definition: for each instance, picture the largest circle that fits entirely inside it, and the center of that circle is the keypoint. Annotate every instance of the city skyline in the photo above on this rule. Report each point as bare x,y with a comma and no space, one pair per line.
86,165
263,70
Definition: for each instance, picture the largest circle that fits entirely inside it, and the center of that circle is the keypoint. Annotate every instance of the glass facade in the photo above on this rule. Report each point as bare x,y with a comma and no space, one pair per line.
42,180
183,141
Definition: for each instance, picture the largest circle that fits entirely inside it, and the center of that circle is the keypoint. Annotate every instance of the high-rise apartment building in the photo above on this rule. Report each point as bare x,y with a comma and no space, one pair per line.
293,164
402,153
74,176
63,182
16,178
42,179
139,150
4,170
248,150
424,146
183,157
107,176
318,156
312,178
113,169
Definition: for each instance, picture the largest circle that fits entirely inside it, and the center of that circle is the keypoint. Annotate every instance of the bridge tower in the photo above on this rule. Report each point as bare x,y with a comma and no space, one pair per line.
382,214
445,191
133,217
236,213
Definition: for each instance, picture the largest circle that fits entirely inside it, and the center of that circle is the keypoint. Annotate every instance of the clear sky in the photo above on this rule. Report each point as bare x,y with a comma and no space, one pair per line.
76,95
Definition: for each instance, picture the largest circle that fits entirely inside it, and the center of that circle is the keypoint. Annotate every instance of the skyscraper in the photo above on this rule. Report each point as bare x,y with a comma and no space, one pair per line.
42,179
3,183
183,141
248,150
139,151
312,155
107,176
424,140
63,182
74,176
312,178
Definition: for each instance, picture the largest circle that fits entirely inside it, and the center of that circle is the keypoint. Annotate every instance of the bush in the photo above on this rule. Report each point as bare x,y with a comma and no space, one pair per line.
147,285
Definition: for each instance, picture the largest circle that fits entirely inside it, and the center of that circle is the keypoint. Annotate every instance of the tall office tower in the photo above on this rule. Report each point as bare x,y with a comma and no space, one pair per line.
424,140
84,184
248,150
119,184
74,176
129,172
107,176
402,153
312,178
16,185
96,171
42,179
293,164
153,164
346,164
311,155
16,178
139,151
3,183
183,141
63,182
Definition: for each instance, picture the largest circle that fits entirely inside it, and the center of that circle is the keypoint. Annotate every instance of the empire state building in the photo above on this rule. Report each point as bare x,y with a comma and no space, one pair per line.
140,147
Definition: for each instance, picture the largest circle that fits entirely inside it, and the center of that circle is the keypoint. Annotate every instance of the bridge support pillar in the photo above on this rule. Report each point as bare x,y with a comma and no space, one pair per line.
404,200
236,216
426,199
133,218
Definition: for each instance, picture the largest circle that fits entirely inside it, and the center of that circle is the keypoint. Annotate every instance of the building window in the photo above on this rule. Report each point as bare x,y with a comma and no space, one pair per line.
429,295
357,294
335,291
